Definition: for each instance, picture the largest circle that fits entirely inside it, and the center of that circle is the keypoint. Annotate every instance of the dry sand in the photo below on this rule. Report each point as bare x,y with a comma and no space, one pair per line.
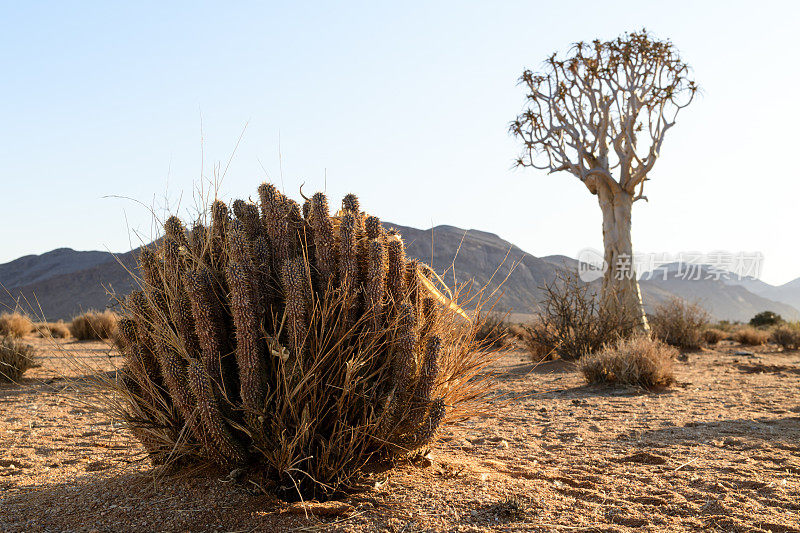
718,452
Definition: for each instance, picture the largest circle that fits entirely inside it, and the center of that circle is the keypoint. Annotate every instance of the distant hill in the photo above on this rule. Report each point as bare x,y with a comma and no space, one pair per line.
31,269
788,293
62,288
722,298
481,256
65,282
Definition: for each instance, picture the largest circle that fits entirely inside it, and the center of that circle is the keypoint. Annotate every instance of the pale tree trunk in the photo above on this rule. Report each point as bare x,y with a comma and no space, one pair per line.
620,286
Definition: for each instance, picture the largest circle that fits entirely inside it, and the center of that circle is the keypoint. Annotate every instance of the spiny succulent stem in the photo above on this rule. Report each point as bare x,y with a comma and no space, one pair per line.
324,241
221,443
249,345
296,288
395,277
208,320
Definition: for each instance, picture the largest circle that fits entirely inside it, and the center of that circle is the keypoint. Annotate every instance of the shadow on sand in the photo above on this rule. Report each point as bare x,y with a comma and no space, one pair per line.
118,500
786,429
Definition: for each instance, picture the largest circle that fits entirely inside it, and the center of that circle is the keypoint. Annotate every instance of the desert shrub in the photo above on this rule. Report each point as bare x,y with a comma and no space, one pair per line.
786,336
516,332
631,361
56,330
679,323
572,322
15,358
493,331
537,343
343,352
93,325
714,335
765,318
15,325
750,336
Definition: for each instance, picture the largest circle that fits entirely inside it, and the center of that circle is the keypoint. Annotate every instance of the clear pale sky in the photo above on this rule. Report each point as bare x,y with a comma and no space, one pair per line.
407,105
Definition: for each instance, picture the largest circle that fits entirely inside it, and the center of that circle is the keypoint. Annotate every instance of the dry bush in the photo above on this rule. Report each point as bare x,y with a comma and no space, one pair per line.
493,331
750,336
572,323
55,330
94,325
679,323
516,332
633,361
300,348
15,358
532,341
714,335
15,325
786,336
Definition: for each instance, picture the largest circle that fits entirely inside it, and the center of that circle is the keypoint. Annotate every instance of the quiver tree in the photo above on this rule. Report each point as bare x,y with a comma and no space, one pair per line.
601,114
291,343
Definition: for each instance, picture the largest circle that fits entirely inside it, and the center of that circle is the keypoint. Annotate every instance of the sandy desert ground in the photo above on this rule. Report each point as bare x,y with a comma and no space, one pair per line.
718,452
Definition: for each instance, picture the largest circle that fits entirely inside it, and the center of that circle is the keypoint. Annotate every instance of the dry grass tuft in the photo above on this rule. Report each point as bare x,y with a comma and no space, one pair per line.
750,336
15,325
94,325
714,335
15,358
679,323
55,330
634,361
786,336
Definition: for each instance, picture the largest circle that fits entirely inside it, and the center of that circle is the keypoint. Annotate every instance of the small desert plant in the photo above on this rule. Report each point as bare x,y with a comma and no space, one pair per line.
637,360
714,335
15,358
572,322
55,330
15,325
750,336
511,508
296,345
679,323
786,336
766,318
93,325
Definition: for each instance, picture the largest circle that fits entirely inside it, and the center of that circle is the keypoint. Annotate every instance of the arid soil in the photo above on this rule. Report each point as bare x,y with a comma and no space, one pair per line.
718,452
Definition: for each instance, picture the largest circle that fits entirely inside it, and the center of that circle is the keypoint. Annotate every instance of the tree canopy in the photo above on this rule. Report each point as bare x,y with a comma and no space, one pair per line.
603,110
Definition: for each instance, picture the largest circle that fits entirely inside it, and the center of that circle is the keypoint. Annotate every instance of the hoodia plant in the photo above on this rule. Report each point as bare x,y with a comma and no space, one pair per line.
291,344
